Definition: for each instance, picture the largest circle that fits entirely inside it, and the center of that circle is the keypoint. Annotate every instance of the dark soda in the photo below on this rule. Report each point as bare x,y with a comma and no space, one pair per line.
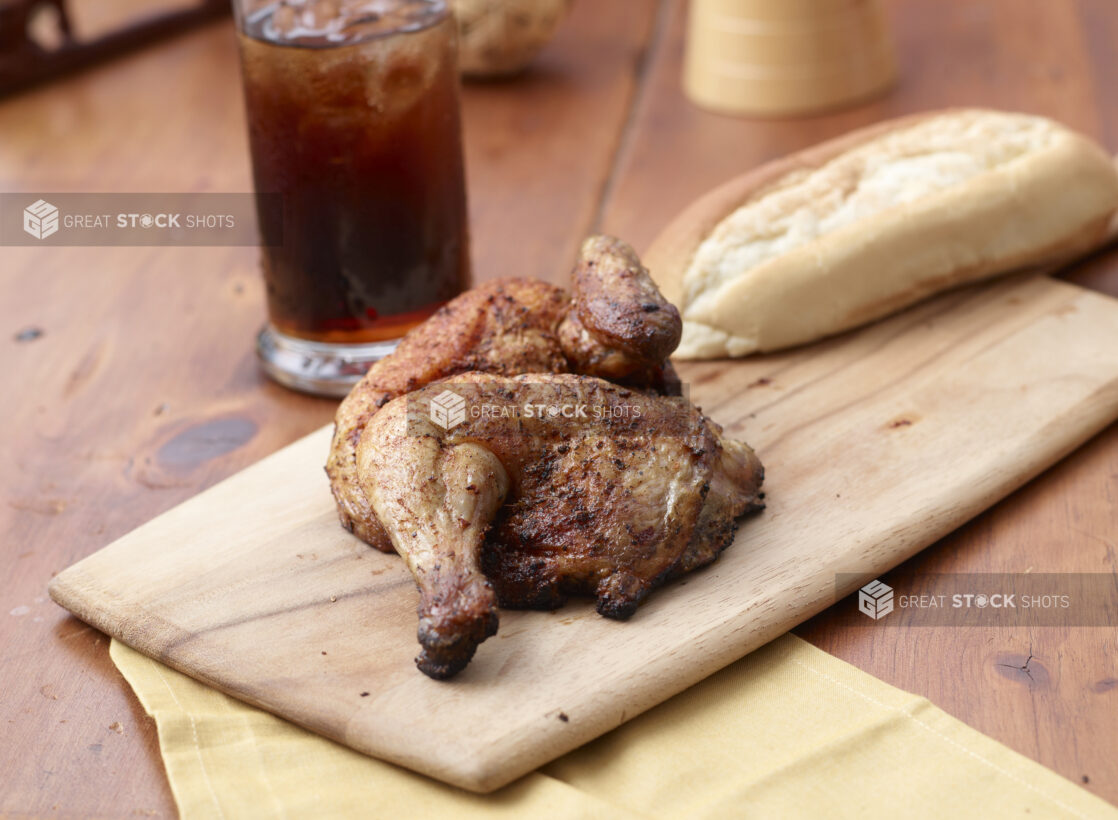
353,119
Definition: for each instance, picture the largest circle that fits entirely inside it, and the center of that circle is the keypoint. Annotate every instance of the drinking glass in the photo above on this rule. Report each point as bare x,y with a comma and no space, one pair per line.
353,121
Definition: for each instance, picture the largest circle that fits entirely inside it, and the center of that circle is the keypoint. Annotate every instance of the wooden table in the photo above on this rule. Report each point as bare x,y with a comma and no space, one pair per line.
142,389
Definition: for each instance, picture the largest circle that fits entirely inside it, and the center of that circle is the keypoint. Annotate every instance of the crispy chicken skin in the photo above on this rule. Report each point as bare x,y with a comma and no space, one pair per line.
523,511
617,325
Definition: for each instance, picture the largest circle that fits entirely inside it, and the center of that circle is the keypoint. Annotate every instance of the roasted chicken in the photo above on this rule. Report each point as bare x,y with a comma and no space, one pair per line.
511,507
520,506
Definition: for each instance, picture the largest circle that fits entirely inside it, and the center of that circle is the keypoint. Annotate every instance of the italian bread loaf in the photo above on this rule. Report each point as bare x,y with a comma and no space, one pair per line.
864,225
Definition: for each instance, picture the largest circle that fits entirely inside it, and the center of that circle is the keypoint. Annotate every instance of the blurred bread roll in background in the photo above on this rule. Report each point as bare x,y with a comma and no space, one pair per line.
861,226
498,38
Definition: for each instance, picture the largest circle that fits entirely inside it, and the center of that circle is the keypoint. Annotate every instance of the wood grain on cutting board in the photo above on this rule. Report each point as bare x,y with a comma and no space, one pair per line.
876,444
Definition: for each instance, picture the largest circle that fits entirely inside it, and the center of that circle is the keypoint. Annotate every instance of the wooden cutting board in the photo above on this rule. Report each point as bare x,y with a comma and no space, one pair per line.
876,444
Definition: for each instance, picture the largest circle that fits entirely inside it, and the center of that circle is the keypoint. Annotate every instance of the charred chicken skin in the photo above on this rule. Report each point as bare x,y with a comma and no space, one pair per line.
520,508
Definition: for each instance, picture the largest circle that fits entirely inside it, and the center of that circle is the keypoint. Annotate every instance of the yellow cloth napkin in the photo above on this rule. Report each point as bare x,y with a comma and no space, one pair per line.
787,732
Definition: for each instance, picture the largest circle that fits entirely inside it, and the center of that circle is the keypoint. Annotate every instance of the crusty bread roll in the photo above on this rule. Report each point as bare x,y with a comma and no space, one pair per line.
861,226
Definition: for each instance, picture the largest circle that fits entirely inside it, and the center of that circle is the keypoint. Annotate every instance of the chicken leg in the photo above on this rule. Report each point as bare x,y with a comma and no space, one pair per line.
440,521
